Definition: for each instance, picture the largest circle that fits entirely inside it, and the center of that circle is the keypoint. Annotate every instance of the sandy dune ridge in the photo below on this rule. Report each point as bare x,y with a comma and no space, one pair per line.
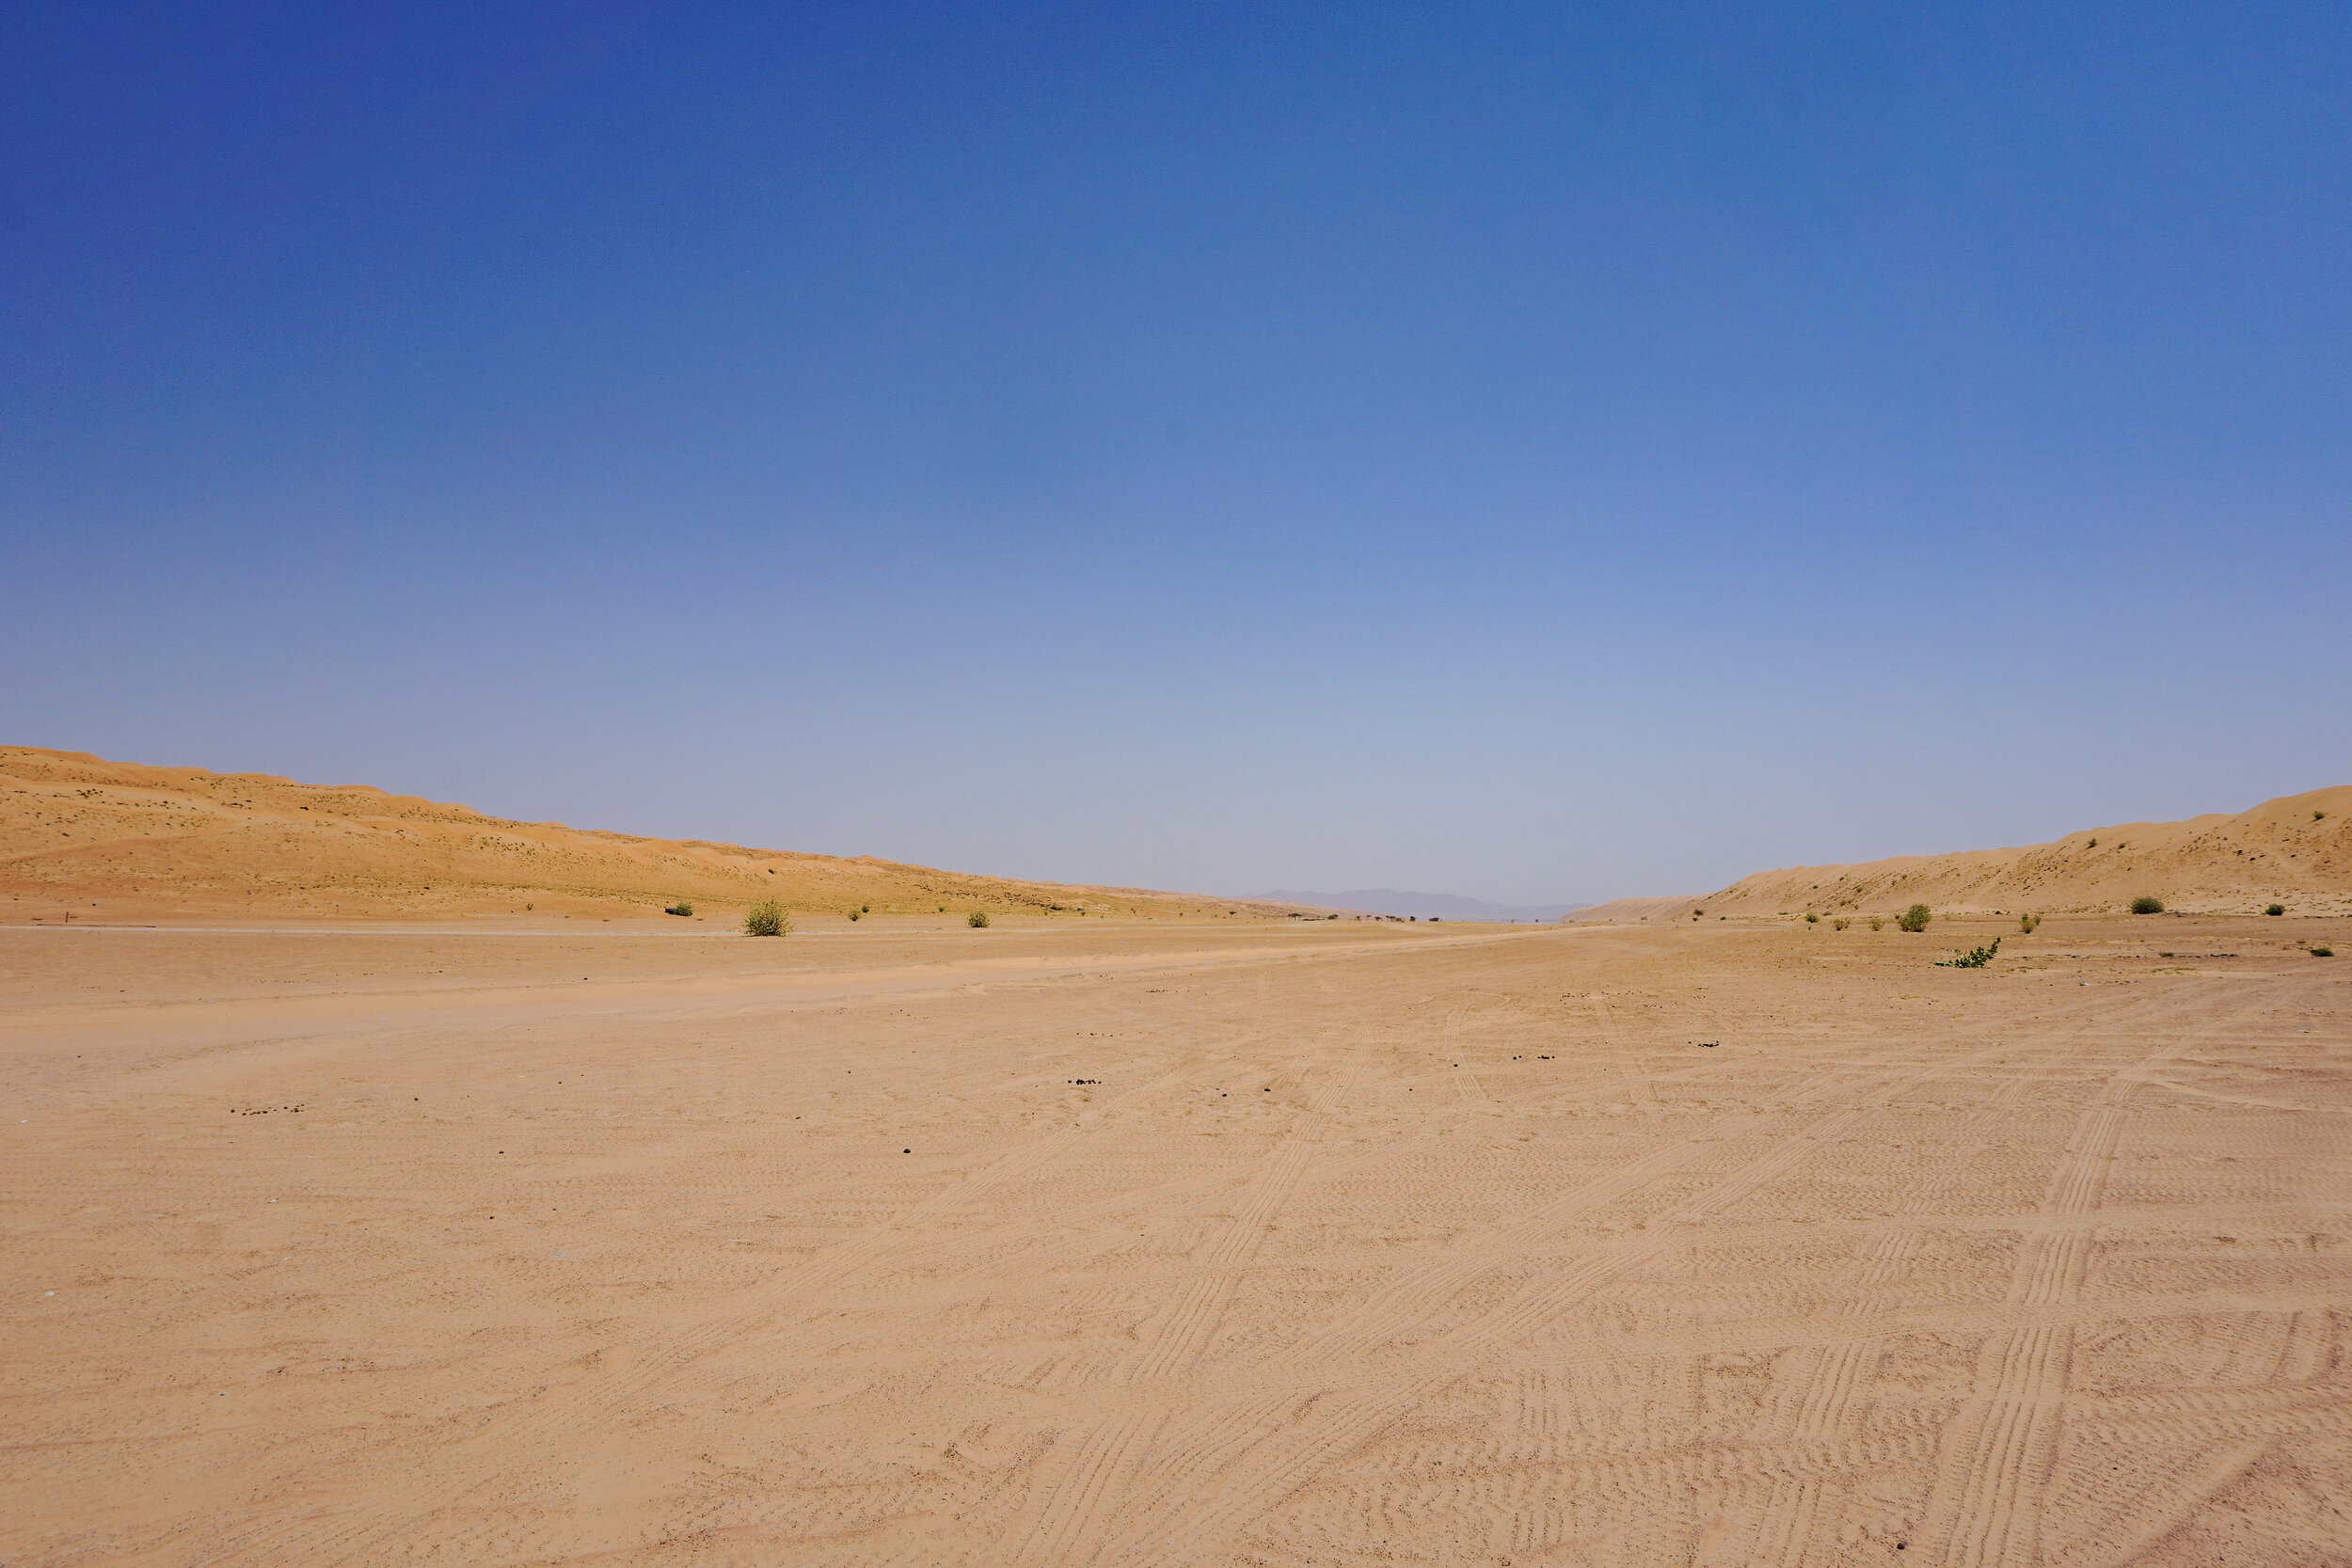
139,841
2296,850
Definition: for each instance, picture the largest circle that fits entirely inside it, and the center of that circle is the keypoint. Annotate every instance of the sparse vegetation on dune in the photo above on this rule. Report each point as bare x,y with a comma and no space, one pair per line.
2296,849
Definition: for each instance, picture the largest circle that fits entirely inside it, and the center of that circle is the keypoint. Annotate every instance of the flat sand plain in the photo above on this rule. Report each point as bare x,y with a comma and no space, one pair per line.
1731,1243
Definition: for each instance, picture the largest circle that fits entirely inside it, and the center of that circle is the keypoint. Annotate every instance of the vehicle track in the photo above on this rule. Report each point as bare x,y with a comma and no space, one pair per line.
1984,1507
540,1422
1110,1452
1218,1470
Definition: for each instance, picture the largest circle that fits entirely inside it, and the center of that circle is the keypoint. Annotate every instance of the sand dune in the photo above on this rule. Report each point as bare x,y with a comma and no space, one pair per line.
1631,908
140,841
2296,850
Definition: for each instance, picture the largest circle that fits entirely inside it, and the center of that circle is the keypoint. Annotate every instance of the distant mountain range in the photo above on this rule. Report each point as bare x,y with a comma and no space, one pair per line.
1427,906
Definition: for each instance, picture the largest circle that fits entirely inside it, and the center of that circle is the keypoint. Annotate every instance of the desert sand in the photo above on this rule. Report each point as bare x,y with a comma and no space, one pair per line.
1177,1241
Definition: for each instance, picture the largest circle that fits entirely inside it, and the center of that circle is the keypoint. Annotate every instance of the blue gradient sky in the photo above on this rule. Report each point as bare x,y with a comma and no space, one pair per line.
1538,453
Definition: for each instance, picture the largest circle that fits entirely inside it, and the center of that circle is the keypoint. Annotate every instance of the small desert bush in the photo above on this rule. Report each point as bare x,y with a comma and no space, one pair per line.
681,907
1976,958
976,918
1839,923
2276,909
1915,918
2025,922
2323,952
1812,919
2145,905
1877,923
767,920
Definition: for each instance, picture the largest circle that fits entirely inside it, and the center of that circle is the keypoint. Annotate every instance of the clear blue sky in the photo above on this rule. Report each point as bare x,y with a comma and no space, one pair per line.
1532,451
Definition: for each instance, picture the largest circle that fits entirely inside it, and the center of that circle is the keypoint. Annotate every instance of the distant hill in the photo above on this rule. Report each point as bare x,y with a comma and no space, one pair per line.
1427,906
75,830
2296,850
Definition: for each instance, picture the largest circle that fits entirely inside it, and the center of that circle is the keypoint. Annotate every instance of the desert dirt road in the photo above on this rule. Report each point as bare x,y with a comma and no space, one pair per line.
1729,1243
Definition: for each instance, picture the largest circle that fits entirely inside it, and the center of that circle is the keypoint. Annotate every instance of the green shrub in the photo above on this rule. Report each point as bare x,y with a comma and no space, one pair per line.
857,914
1877,923
2319,816
681,907
2276,909
1839,923
1976,958
767,920
1915,918
976,918
1812,919
2145,905
2323,952
2025,922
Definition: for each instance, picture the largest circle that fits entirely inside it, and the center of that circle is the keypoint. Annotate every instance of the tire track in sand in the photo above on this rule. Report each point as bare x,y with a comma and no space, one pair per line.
539,1423
1811,1405
2215,1434
1995,1461
1828,1377
1213,1470
1637,1084
1093,1475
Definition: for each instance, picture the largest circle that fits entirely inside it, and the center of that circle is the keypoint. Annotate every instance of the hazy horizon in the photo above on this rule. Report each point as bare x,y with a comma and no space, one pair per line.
1541,457
1422,905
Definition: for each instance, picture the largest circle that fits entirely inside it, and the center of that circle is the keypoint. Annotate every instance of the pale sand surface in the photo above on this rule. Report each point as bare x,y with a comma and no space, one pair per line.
1371,1244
